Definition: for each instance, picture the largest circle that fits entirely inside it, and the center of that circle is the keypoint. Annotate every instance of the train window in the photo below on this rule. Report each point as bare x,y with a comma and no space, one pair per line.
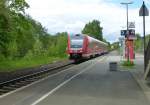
76,43
76,46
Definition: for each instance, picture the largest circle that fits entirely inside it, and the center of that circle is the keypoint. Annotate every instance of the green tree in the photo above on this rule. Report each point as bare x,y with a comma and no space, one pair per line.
93,29
147,39
17,5
23,37
138,42
5,36
115,45
58,45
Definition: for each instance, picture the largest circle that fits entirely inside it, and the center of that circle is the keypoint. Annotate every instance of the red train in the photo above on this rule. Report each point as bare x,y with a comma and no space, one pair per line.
82,46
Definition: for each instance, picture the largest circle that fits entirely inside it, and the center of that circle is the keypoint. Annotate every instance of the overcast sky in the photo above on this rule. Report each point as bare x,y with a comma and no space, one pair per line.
72,15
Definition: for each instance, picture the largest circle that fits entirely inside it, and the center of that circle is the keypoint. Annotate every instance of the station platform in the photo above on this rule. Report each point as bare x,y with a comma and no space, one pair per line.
88,83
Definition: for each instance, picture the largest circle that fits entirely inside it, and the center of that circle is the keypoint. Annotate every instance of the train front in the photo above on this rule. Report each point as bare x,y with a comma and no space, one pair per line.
75,46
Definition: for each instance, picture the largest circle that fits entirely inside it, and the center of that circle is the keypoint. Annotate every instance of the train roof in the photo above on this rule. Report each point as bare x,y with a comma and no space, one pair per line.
71,35
96,39
100,41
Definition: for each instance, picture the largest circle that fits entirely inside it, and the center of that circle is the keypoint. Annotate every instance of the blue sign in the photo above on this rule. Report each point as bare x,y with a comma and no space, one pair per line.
123,32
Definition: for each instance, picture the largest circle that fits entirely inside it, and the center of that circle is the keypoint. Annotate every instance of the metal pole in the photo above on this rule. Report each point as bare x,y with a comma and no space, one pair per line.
127,28
127,33
144,35
127,17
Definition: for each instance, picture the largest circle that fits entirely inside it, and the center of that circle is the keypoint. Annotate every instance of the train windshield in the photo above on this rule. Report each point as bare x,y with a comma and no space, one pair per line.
76,43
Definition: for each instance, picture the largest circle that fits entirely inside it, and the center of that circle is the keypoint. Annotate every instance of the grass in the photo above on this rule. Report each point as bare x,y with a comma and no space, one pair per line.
13,65
128,64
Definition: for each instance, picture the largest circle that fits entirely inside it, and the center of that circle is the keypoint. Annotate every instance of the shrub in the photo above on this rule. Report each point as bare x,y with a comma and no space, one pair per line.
128,63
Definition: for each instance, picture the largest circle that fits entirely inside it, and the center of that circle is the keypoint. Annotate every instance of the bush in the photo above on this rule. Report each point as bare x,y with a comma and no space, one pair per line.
2,57
128,63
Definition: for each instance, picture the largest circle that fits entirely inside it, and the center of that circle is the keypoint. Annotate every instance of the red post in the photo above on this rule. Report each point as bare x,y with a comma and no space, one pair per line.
129,50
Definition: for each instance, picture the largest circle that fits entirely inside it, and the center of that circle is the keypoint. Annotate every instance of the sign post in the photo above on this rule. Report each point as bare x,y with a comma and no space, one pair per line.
127,47
144,12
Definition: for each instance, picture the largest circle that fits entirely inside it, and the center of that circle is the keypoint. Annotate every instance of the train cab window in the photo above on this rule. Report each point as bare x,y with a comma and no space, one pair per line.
76,40
76,43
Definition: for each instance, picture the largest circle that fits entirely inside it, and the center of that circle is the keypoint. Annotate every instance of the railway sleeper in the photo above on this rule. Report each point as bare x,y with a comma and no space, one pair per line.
37,77
3,91
31,80
15,86
9,88
22,83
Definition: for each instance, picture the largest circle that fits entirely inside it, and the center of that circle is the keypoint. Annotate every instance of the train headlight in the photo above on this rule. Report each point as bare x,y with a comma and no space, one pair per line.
80,51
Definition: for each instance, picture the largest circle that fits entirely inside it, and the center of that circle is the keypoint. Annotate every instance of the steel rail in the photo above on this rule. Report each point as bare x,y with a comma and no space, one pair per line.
2,84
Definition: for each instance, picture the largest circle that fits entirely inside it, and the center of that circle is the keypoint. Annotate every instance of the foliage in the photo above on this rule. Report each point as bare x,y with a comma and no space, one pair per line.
11,65
4,28
22,38
18,5
139,42
128,63
114,45
147,39
94,29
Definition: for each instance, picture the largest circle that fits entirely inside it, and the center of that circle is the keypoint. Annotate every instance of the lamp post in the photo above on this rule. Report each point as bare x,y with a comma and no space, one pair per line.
127,11
127,24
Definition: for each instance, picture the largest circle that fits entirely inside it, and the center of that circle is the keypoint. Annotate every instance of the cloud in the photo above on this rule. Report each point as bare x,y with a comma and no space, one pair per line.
147,1
72,15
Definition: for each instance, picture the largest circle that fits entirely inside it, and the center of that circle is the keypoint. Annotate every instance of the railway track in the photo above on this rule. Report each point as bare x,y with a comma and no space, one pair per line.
16,83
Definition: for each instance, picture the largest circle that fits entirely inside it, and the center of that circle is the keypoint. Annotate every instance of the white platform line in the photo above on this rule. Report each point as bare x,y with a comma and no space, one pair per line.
62,84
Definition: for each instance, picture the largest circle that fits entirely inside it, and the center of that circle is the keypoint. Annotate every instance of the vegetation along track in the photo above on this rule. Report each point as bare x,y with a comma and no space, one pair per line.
13,84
